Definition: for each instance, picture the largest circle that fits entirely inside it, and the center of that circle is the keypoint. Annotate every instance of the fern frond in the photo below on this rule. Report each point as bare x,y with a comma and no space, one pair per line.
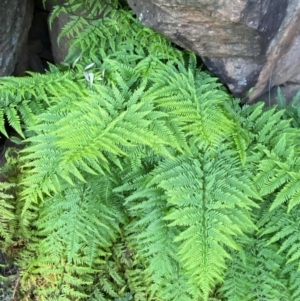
86,224
152,239
190,103
10,221
74,27
255,274
282,228
291,272
208,212
96,133
7,214
278,169
291,110
21,99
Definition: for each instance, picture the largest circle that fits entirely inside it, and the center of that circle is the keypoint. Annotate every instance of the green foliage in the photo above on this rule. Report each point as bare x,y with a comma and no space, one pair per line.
21,99
142,179
292,109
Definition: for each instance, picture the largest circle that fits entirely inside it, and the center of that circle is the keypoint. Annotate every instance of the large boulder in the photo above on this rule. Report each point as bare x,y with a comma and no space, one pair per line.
246,43
15,21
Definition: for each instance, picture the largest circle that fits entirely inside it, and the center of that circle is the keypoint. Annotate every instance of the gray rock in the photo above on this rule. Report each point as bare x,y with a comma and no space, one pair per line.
15,21
246,43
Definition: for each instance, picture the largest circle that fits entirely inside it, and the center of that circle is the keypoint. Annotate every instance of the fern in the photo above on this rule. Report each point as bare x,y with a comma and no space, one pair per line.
281,227
255,274
91,223
195,196
93,125
7,216
291,109
192,105
22,99
292,274
9,190
142,179
152,239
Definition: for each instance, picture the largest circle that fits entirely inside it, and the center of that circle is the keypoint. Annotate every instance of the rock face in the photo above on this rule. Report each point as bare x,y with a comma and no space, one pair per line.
15,20
246,43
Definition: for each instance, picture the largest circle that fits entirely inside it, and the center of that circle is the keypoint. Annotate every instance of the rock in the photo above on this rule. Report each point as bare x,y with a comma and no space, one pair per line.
246,43
15,21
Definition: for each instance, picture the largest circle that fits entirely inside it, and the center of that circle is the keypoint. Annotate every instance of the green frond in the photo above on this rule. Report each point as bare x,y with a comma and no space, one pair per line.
91,136
241,140
55,13
204,206
2,123
278,171
13,119
82,222
21,99
153,241
190,105
252,113
282,228
255,274
73,27
291,110
291,272
7,214
10,223
289,193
